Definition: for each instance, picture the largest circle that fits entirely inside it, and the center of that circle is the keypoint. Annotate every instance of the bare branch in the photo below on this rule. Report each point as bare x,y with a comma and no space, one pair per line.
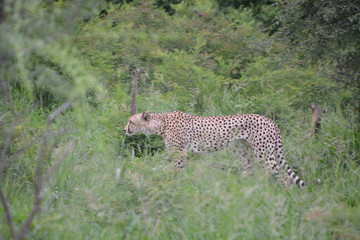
133,107
68,149
37,139
4,159
4,116
7,95
39,186
59,110
35,210
7,144
39,165
41,177
8,215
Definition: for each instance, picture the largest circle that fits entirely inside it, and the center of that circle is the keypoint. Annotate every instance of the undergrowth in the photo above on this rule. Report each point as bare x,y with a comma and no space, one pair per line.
105,191
201,59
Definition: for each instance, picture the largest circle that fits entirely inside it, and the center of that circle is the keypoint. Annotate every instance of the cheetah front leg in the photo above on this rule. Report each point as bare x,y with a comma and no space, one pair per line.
178,153
242,150
181,161
180,158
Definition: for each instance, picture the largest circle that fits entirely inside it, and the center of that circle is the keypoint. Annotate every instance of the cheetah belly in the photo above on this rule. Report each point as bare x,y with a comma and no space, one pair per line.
207,142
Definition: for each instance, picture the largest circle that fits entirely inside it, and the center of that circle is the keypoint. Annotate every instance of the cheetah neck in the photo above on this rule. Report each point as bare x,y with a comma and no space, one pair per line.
158,119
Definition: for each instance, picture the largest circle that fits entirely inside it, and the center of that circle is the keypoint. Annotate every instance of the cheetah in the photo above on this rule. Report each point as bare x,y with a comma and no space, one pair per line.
185,133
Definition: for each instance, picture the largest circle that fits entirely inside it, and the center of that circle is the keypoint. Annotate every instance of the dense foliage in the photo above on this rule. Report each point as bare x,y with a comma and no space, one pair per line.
204,57
326,32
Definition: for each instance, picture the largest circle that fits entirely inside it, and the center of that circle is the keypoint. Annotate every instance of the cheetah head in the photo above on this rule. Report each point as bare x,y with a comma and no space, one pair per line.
142,123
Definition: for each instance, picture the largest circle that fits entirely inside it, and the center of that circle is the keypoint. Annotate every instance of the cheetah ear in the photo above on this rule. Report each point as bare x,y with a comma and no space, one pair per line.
146,115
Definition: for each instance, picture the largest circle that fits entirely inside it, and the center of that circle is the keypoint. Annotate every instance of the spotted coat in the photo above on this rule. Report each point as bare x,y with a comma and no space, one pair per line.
188,133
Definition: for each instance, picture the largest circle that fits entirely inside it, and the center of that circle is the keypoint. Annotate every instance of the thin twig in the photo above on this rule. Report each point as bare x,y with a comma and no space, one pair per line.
7,95
7,143
68,149
16,154
38,188
37,139
35,210
41,179
4,116
8,215
6,148
39,165
10,134
59,110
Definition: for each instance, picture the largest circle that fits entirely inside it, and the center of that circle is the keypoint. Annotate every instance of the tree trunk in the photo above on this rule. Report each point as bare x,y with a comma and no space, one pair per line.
133,107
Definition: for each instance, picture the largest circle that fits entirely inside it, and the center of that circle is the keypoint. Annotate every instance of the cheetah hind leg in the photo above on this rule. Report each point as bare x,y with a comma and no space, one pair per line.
274,168
286,180
266,158
243,150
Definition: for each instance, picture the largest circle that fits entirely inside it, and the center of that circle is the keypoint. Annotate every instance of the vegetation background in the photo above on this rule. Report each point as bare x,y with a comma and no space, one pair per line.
67,171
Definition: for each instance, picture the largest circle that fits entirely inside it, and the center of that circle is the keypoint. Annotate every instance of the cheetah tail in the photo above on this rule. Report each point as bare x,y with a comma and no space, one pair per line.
283,164
294,178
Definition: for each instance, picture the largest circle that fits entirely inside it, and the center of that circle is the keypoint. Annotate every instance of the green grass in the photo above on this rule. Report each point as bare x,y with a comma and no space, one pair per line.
148,200
103,192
